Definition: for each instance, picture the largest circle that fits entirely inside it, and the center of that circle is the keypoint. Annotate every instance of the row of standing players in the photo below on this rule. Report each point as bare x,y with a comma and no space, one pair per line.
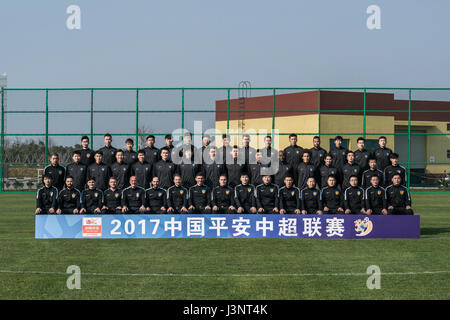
295,163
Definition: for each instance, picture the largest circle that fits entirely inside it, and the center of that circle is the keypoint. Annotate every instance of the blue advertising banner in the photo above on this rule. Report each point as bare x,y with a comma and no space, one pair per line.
226,226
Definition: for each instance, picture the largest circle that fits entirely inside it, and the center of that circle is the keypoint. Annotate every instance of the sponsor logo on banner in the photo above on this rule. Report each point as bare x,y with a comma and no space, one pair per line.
363,227
92,227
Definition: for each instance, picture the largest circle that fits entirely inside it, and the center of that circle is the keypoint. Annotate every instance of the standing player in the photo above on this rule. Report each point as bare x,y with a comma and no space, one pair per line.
354,198
247,153
331,197
108,150
87,155
398,197
151,152
305,170
382,153
120,170
165,169
212,169
142,171
293,153
77,170
289,197
168,145
156,198
339,153
267,196
91,199
55,170
222,201
350,169
112,198
224,152
133,198
129,155
203,152
99,171
375,198
284,169
47,197
199,196
394,168
177,196
69,199
235,168
317,153
255,169
326,170
367,175
310,198
244,195
362,155
187,169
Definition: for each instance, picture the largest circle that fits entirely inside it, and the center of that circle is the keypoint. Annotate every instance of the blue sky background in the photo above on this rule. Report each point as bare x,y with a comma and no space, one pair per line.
201,43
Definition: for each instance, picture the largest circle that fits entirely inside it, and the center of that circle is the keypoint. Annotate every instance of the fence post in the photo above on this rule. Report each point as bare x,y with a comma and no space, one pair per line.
46,128
137,120
318,109
364,116
182,108
2,142
92,119
409,140
273,111
228,110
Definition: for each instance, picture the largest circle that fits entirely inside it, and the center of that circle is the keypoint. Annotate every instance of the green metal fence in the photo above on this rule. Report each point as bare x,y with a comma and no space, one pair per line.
183,111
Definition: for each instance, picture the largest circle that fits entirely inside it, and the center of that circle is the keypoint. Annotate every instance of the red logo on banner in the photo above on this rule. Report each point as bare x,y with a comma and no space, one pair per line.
92,227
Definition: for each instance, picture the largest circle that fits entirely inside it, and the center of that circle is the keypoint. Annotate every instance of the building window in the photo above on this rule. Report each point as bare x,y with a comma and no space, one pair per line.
448,126
371,144
448,154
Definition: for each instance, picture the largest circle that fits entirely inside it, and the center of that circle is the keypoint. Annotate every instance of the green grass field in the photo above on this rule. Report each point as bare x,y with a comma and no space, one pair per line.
224,268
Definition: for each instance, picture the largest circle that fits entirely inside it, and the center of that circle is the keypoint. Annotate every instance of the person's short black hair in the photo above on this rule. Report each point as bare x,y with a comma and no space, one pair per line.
292,135
176,175
360,138
306,151
396,174
223,175
129,140
374,175
225,136
164,149
112,177
332,176
371,158
90,179
206,136
98,152
316,137
258,150
107,135
338,138
288,176
48,176
235,146
393,155
76,152
141,151
348,152
268,137
117,151
246,135
244,174
168,136
150,136
198,174
84,137
382,137
68,177
328,155
352,177
54,155
188,134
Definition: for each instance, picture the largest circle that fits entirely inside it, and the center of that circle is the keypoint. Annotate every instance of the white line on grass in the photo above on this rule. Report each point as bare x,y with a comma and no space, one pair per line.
258,275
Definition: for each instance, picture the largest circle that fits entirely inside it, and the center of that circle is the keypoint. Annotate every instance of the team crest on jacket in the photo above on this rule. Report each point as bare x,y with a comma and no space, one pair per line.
298,151
96,194
379,192
402,192
358,193
116,195
137,194
364,227
227,192
51,194
73,195
315,193
249,189
103,169
88,155
336,192
203,191
181,191
271,189
159,194
292,193
60,172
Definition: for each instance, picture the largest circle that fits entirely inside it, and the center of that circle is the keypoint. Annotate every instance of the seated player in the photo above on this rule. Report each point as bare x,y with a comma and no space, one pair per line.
289,197
375,197
244,195
177,197
91,199
394,168
310,198
267,196
133,198
100,171
222,201
367,175
77,170
354,198
47,197
326,170
331,197
200,196
112,198
69,199
155,198
398,197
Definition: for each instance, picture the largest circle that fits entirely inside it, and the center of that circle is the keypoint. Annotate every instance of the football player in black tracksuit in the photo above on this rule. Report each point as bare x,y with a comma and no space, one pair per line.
331,197
47,197
247,153
394,168
112,198
223,155
87,155
168,140
100,171
267,196
120,170
213,169
375,198
367,175
305,170
310,198
108,152
289,197
129,155
244,196
317,153
326,170
284,169
199,197
222,197
339,153
235,168
142,170
133,198
256,170
354,198
156,198
69,199
350,169
151,152
91,199
177,197
293,153
57,172
362,155
398,197
382,154
188,170
77,171
165,169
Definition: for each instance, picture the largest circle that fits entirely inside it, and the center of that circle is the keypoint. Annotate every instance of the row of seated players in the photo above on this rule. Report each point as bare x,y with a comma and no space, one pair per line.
265,198
165,170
